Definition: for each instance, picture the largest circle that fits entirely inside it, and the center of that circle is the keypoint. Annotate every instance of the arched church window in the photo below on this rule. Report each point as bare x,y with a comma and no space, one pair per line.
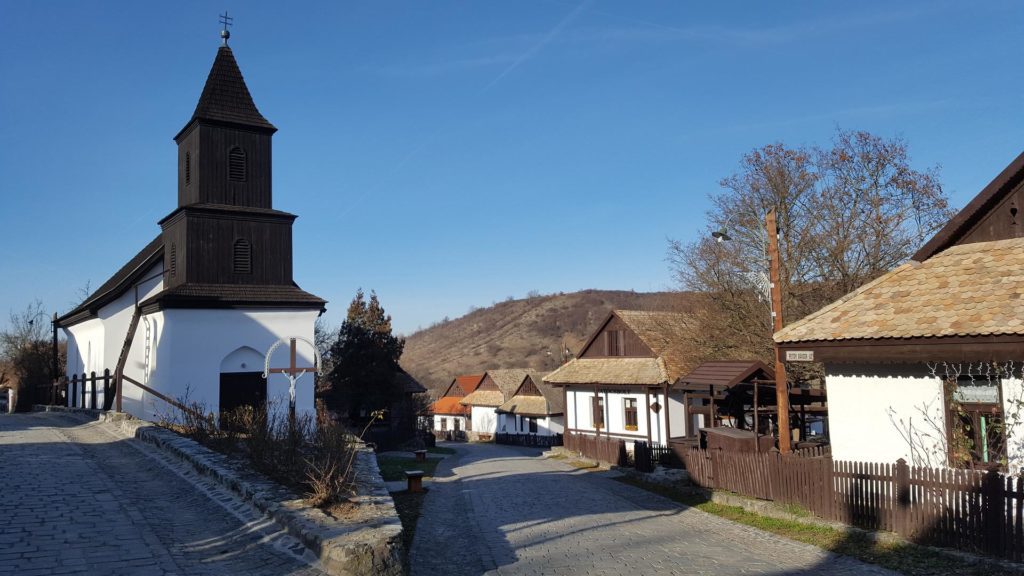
236,165
242,257
188,168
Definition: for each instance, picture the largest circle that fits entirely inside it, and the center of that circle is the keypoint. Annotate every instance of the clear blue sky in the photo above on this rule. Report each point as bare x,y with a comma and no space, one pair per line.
450,154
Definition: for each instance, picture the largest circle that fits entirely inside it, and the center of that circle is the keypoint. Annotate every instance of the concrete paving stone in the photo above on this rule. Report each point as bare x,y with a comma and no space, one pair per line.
90,501
505,511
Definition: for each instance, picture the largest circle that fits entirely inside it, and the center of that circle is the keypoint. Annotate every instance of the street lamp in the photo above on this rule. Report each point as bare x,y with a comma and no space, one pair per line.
772,287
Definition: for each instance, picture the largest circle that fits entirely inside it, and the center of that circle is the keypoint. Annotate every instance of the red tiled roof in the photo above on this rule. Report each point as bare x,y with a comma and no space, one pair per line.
449,405
469,382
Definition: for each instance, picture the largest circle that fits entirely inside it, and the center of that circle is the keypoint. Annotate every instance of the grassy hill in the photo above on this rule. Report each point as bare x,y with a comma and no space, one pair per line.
526,333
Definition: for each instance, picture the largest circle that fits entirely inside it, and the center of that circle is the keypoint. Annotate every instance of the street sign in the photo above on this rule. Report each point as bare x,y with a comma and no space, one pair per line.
799,356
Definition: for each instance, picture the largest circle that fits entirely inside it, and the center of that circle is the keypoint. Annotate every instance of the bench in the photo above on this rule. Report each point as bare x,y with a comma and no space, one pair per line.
421,455
415,479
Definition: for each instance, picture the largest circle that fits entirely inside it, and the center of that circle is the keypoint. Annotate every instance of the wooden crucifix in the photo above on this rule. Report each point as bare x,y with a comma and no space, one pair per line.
293,371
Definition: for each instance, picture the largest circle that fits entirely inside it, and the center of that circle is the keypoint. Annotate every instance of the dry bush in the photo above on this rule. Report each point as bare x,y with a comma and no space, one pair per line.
313,456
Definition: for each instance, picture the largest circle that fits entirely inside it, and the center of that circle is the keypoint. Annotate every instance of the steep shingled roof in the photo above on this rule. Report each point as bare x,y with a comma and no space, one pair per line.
225,96
118,283
618,370
967,290
665,333
549,403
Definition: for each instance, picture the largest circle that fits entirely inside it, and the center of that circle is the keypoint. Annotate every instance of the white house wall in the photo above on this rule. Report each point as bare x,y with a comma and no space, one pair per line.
881,413
85,347
546,426
1013,408
578,413
484,419
451,422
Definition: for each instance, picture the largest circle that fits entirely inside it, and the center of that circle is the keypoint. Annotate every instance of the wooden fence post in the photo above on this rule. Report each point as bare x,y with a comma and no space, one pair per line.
992,504
92,395
74,391
902,510
108,398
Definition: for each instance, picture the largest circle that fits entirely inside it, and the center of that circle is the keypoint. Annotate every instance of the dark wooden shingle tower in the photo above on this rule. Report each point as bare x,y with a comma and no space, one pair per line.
225,242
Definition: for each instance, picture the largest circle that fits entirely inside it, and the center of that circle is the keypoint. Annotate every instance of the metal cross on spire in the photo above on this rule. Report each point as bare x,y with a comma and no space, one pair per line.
226,21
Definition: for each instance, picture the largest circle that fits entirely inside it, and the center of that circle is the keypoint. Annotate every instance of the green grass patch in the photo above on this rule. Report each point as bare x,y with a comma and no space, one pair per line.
394,467
902,557
441,450
408,505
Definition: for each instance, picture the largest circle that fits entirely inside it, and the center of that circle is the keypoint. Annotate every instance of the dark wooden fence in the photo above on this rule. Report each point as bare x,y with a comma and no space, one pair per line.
648,456
609,450
967,509
91,390
528,439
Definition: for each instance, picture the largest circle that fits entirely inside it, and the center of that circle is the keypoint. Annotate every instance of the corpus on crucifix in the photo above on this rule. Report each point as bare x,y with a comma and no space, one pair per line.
293,371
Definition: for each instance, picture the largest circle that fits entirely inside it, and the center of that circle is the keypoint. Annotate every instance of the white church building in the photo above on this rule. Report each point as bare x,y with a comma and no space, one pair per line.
192,315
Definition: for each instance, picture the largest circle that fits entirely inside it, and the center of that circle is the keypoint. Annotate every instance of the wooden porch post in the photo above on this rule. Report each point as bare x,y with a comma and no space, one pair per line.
781,382
668,419
647,402
757,439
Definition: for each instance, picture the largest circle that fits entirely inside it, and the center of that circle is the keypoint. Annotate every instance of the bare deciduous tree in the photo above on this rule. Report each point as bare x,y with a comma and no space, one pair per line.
846,214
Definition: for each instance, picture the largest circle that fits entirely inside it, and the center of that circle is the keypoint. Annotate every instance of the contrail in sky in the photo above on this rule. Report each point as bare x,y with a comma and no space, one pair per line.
527,55
533,50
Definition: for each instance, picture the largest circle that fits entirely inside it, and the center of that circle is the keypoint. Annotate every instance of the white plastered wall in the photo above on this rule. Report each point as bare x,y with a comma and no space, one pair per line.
193,346
484,419
881,413
546,426
451,419
95,345
578,413
1013,409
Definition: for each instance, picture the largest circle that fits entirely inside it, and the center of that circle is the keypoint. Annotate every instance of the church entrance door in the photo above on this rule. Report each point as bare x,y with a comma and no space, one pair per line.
238,389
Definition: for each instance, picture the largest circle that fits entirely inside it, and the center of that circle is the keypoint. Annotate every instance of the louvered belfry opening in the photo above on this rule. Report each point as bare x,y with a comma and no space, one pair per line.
188,168
242,257
236,165
174,260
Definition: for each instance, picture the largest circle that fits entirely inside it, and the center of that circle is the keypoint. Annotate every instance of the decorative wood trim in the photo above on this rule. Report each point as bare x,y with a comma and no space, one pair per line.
915,350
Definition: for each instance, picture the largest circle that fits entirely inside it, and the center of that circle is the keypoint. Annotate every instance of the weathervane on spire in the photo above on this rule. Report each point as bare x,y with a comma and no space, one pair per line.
226,21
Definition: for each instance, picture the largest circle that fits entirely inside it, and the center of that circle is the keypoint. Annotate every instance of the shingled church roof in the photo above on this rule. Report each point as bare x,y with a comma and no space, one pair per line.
226,98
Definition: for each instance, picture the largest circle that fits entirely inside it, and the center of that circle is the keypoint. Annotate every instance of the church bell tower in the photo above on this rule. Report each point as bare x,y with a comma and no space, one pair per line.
225,234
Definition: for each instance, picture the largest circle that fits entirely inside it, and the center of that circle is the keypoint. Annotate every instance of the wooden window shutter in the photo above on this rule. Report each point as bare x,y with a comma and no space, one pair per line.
236,165
242,257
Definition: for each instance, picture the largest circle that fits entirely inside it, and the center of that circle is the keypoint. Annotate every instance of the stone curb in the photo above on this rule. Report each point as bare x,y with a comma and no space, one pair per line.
368,542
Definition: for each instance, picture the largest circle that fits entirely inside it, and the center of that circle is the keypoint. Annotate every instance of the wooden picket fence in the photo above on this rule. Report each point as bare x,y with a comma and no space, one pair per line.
609,450
91,390
966,509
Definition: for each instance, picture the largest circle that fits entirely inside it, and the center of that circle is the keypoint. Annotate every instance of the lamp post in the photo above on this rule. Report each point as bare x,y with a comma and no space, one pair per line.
781,385
774,293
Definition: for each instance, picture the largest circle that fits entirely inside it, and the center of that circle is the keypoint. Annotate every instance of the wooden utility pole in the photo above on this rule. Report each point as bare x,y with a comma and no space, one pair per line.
781,385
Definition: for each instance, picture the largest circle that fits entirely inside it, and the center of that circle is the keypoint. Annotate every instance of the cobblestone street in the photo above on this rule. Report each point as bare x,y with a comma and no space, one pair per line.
504,510
78,498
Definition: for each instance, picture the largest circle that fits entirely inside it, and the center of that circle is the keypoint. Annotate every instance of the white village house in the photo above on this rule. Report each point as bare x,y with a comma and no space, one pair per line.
924,363
620,385
200,305
451,418
534,408
496,387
